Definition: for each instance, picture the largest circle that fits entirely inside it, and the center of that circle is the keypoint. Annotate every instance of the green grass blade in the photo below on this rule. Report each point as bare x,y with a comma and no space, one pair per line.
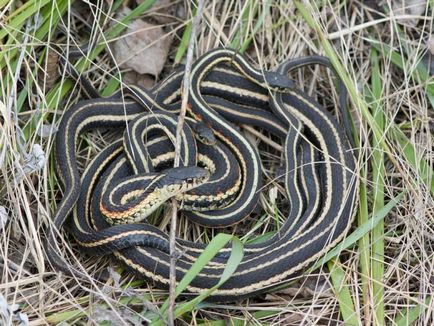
258,24
364,245
65,316
343,294
70,315
378,173
111,86
17,19
182,49
419,73
423,168
359,232
216,244
409,316
49,16
215,323
254,319
250,10
4,3
232,264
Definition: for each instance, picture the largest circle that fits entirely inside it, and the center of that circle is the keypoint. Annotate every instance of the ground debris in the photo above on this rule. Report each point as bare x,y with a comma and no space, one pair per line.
144,48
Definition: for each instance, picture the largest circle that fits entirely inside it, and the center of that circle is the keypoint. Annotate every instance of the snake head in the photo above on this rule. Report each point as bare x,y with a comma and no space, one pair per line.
279,81
145,193
180,179
204,134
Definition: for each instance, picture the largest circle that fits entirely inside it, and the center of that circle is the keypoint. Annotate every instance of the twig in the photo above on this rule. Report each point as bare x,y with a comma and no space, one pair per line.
262,137
357,28
185,93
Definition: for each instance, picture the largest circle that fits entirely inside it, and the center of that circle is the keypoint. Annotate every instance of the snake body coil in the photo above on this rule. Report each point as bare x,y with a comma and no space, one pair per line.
131,177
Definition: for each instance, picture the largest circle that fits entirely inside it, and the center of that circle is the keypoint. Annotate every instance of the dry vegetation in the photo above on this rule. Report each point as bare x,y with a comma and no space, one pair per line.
384,52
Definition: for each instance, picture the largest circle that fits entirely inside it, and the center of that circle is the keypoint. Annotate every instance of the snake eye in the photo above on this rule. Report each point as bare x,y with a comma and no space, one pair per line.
189,180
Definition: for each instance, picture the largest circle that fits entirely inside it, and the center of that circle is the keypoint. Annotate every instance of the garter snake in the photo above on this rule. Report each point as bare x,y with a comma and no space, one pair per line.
316,229
97,113
319,181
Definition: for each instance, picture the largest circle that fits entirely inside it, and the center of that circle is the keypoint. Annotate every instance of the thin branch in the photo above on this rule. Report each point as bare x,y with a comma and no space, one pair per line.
357,28
185,94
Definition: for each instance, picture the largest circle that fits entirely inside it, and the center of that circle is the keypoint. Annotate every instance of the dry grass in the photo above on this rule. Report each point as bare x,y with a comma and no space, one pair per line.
385,277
